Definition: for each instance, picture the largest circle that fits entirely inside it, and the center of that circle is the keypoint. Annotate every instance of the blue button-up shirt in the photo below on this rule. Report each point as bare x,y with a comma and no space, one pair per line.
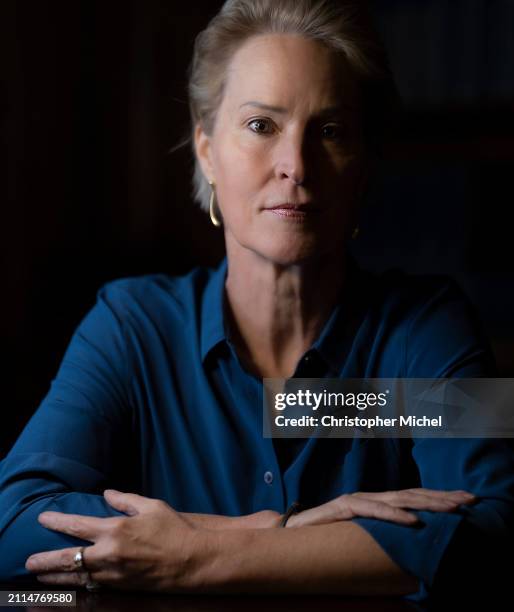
151,398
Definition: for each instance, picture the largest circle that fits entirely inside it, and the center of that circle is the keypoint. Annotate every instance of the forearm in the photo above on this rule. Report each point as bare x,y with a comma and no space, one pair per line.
258,520
334,558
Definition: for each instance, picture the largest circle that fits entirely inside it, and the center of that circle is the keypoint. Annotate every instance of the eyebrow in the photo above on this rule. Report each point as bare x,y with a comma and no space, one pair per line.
272,109
330,110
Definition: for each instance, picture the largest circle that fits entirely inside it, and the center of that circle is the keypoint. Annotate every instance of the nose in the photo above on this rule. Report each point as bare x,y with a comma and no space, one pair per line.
290,160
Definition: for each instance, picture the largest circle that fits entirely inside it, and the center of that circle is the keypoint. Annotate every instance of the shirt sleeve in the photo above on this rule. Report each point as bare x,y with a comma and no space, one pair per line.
76,443
444,339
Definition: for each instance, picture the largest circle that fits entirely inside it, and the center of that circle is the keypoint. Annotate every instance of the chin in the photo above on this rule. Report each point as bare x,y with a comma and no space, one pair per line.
290,254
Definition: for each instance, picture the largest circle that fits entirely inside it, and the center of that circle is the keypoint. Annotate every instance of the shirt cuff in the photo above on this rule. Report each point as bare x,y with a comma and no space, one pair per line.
417,550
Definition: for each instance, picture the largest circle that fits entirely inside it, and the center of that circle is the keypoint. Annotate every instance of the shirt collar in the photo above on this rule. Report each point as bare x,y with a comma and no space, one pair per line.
336,336
213,329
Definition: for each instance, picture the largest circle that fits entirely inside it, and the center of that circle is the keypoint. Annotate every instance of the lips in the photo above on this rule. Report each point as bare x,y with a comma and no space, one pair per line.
289,210
301,207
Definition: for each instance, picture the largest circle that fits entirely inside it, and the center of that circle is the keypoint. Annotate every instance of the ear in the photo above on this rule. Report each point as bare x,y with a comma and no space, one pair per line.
203,152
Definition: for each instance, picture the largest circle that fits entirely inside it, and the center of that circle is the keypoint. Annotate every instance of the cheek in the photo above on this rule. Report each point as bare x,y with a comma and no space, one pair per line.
240,171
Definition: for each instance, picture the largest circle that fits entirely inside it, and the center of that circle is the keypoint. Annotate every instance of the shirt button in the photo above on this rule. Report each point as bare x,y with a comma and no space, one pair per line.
268,477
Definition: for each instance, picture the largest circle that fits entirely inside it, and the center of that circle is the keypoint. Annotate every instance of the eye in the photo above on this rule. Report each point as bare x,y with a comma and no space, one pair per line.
332,131
260,126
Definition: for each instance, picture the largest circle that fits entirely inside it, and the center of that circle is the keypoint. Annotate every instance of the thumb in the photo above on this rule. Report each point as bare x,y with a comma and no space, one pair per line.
130,503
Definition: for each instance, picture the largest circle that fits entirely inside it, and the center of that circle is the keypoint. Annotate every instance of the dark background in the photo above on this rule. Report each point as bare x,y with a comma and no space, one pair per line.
93,96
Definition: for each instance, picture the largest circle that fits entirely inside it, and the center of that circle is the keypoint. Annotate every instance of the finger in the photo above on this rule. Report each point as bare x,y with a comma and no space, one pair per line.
63,560
130,503
121,501
452,499
415,501
376,509
420,499
53,561
347,507
85,527
437,501
456,494
65,578
459,495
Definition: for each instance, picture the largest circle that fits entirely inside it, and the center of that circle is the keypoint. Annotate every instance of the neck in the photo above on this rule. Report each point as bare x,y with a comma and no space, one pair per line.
275,312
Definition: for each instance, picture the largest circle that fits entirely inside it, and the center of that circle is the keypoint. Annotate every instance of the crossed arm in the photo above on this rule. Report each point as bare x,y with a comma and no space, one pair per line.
320,551
152,547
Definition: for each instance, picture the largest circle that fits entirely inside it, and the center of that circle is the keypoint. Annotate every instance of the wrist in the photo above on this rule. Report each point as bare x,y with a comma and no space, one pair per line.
233,561
215,554
200,551
287,518
265,519
258,520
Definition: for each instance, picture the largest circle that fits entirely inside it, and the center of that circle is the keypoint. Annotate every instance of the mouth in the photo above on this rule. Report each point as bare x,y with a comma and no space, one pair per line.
292,210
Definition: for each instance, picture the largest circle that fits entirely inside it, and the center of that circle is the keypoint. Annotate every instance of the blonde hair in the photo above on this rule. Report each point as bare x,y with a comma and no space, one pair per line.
342,25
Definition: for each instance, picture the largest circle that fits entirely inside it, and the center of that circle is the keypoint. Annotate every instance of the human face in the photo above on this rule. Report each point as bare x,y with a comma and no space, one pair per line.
286,151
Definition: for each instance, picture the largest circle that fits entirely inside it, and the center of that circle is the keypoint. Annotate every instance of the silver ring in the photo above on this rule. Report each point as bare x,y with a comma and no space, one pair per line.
78,559
91,585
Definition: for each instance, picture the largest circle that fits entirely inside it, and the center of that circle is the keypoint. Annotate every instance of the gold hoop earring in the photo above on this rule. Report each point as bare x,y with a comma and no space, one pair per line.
355,232
215,221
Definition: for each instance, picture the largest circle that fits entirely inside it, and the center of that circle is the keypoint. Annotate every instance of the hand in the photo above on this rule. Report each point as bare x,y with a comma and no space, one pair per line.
151,549
387,506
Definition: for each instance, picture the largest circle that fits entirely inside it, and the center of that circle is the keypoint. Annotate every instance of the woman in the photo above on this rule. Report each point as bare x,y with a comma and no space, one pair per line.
159,392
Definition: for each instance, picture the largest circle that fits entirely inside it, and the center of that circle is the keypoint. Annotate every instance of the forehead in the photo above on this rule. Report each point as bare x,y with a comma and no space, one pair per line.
290,70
